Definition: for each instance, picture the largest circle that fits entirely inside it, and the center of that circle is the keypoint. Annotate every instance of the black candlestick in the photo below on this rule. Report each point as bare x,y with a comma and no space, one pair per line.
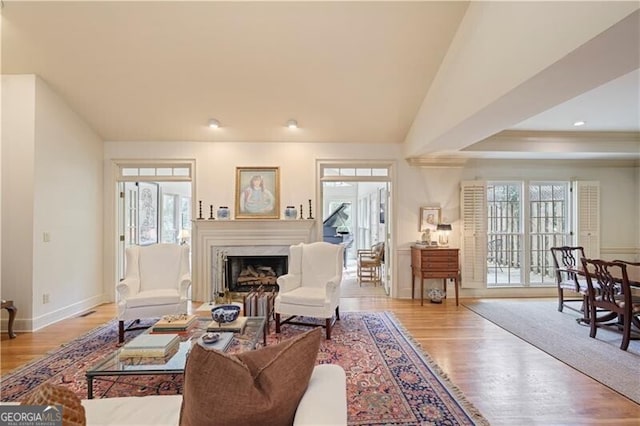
310,213
200,210
211,212
301,217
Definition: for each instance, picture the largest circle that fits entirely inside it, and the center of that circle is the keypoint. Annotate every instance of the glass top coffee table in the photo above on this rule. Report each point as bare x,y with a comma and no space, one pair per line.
115,366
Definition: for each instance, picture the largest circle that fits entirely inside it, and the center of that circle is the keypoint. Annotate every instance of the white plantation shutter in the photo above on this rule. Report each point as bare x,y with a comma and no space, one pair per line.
587,217
473,203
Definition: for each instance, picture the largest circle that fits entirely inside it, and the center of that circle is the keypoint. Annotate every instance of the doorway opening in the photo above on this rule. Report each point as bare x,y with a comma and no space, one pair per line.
356,213
155,205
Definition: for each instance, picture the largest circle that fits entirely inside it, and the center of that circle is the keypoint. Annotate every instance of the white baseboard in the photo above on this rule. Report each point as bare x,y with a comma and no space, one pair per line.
22,324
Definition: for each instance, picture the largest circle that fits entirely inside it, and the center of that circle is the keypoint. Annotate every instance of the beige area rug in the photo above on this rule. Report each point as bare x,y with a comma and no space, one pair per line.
558,334
351,288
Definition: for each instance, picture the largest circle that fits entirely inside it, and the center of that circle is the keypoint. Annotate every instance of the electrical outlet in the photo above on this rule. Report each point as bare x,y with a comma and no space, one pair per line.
45,298
46,237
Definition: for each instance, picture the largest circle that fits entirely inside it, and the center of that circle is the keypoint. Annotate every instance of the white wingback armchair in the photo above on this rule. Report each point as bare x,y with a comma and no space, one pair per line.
156,283
311,288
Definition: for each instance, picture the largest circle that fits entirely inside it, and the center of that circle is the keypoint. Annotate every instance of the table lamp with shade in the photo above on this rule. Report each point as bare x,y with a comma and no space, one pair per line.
443,231
184,236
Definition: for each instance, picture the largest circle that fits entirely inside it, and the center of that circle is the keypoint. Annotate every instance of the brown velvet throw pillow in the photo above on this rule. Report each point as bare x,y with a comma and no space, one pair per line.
261,387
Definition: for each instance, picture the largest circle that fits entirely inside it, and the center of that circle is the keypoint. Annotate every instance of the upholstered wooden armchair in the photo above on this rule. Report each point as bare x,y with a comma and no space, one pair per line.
156,283
311,288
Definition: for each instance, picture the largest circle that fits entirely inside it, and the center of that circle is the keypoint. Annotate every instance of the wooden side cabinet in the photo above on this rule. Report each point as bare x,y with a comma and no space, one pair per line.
434,263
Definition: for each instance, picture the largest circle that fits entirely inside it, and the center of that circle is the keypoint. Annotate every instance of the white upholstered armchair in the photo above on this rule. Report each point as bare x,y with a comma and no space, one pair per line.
311,288
156,283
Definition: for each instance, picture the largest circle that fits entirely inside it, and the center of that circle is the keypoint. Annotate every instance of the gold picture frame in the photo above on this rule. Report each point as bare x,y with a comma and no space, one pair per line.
429,218
257,193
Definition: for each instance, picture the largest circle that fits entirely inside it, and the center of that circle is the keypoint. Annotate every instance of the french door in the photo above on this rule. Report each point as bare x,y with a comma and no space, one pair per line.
154,205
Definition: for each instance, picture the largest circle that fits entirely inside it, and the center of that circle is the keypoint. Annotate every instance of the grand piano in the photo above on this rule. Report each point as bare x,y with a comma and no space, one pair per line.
331,232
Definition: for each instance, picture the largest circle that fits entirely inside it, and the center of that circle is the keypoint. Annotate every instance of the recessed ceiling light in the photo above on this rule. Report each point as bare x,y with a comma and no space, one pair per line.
214,124
292,124
579,123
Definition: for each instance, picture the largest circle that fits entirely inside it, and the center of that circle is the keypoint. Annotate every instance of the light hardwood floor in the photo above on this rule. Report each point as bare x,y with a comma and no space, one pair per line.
508,380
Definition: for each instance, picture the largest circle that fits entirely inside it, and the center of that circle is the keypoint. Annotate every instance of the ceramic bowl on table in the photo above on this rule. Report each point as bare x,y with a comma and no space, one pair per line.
209,338
223,314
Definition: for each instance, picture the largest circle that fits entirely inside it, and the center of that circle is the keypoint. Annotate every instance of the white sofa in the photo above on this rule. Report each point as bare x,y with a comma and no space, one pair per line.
324,403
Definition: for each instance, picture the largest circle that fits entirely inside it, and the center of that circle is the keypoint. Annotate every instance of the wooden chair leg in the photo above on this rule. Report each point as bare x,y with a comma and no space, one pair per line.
328,326
277,322
593,327
337,313
626,332
120,331
586,309
10,307
560,299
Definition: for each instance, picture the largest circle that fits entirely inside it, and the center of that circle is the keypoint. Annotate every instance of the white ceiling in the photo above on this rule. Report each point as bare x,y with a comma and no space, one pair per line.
614,106
346,71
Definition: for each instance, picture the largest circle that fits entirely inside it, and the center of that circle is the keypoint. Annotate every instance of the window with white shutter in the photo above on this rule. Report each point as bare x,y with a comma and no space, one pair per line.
473,203
587,217
546,223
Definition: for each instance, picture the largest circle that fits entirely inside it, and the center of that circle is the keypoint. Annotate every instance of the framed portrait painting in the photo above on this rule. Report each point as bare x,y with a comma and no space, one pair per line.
429,218
257,193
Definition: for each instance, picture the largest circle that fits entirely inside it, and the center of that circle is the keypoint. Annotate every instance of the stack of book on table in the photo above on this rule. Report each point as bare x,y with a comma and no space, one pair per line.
421,244
236,326
258,303
174,323
151,346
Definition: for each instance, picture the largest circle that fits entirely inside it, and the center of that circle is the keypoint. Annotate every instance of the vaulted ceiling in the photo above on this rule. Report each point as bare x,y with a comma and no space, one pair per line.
348,72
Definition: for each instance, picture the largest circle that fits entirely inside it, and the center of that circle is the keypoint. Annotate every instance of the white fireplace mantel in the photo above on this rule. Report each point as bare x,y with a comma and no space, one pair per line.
208,235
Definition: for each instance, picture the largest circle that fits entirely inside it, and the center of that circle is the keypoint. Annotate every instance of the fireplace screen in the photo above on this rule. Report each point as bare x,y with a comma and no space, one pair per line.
246,273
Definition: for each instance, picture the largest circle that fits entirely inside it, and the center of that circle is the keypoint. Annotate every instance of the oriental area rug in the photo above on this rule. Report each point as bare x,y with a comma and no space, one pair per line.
390,380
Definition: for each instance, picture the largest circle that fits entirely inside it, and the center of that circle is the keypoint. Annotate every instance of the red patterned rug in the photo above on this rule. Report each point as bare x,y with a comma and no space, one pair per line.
390,380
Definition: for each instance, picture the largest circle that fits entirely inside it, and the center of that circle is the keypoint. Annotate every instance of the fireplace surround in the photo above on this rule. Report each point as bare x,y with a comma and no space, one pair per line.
248,273
264,237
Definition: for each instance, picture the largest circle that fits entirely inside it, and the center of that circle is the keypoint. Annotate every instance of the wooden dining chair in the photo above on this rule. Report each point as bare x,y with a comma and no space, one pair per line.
627,262
611,298
370,262
566,261
635,289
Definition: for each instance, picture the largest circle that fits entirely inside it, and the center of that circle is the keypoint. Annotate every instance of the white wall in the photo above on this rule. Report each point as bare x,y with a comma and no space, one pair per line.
619,206
415,187
18,144
52,183
68,206
618,194
216,170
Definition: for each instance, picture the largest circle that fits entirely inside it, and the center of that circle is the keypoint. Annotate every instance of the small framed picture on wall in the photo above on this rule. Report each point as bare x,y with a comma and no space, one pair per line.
429,218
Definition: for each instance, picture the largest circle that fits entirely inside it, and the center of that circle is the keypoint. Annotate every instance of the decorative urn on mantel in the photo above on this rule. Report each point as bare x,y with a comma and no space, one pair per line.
290,213
223,213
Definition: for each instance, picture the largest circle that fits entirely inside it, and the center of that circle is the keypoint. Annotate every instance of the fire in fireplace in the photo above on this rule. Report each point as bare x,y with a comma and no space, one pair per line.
246,273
